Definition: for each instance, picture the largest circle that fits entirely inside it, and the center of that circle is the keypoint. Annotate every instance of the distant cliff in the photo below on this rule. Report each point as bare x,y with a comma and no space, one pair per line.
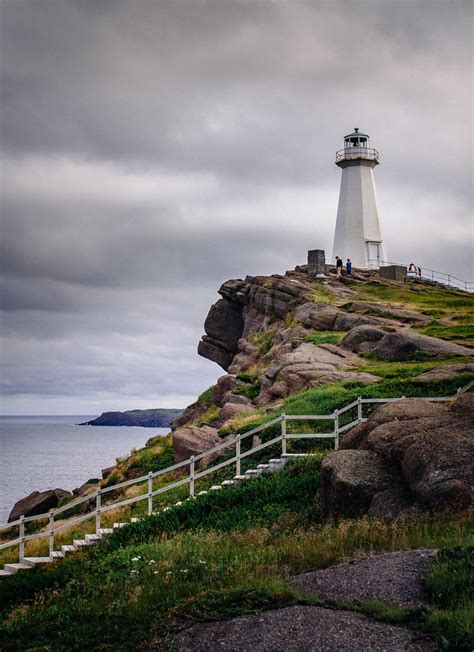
154,418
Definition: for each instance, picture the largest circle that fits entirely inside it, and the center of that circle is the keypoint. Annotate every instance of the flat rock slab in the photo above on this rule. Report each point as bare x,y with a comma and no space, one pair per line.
395,578
301,629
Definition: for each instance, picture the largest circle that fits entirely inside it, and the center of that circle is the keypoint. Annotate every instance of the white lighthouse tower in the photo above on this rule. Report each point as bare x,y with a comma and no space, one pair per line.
358,234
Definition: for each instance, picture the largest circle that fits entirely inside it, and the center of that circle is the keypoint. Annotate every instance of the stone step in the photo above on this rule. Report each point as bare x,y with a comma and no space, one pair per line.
135,519
228,483
5,573
104,531
92,538
276,460
202,493
240,478
67,548
80,543
14,568
58,554
32,561
291,455
117,525
216,487
253,472
263,467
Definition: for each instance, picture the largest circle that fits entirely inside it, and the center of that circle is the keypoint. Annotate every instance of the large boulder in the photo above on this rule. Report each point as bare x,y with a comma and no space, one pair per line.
390,344
38,502
232,410
403,410
224,385
191,440
429,447
402,345
349,481
317,316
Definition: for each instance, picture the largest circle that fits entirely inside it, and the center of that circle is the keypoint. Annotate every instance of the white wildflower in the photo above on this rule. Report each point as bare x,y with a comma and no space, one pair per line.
184,570
152,561
135,558
201,561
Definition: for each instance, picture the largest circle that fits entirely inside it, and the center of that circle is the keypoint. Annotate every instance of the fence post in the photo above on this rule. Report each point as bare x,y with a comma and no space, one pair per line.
51,533
336,429
21,547
191,477
98,505
283,434
359,409
237,455
150,493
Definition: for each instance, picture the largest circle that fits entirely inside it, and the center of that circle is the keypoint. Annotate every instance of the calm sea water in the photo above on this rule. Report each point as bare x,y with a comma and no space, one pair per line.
38,453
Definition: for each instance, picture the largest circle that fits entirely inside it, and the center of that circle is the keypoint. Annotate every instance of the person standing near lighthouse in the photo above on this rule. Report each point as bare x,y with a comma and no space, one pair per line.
358,231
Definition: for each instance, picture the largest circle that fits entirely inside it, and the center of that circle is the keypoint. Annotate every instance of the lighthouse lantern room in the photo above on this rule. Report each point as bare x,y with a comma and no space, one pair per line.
358,234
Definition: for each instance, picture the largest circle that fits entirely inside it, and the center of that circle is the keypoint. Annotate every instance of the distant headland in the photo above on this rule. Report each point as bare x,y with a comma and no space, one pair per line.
153,418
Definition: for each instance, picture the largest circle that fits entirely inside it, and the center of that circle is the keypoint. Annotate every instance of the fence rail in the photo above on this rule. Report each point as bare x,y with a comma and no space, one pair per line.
192,473
429,275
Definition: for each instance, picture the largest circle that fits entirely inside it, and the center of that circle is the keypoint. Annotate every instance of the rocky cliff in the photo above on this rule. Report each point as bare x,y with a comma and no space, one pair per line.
281,334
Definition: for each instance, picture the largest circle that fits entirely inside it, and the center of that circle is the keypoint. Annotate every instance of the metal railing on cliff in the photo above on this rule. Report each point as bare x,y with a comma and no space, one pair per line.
423,273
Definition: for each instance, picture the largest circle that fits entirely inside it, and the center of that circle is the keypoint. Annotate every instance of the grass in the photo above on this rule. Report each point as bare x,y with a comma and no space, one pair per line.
262,340
325,337
217,557
454,332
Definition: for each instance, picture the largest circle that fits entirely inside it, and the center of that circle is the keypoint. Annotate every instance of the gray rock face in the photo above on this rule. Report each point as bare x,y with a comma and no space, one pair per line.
224,325
38,502
245,307
224,385
350,479
430,449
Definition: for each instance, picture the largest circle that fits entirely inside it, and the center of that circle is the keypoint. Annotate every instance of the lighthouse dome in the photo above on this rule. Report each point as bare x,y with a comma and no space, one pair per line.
356,139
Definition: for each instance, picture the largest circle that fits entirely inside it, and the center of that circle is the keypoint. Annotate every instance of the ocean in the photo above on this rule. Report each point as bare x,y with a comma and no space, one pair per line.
38,453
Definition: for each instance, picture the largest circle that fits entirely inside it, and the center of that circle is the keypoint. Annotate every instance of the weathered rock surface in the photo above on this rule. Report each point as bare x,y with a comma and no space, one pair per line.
38,502
302,629
107,471
399,345
427,448
387,310
306,366
191,440
246,307
394,578
446,371
350,479
231,411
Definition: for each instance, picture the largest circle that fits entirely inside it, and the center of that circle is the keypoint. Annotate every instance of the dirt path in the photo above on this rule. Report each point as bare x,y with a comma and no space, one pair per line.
395,578
301,629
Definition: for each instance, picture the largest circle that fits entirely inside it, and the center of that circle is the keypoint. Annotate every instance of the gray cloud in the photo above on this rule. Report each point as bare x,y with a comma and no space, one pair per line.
154,149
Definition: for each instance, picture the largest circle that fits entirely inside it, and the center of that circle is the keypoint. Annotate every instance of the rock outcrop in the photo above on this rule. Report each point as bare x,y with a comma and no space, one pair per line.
399,345
153,418
408,453
38,502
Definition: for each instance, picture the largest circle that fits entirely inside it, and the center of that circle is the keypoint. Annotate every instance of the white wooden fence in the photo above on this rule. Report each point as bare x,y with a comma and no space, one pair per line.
194,474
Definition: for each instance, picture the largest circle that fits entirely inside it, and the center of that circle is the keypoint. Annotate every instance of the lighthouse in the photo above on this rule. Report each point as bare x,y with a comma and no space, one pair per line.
358,234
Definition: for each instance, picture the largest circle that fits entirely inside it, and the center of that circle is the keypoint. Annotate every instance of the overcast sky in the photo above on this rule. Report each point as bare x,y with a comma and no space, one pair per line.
153,149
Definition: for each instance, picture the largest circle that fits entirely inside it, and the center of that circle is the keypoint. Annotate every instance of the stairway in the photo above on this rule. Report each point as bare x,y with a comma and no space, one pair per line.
273,465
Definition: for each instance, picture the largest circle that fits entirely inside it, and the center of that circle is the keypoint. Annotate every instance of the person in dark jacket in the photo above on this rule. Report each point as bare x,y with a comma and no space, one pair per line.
338,266
349,266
